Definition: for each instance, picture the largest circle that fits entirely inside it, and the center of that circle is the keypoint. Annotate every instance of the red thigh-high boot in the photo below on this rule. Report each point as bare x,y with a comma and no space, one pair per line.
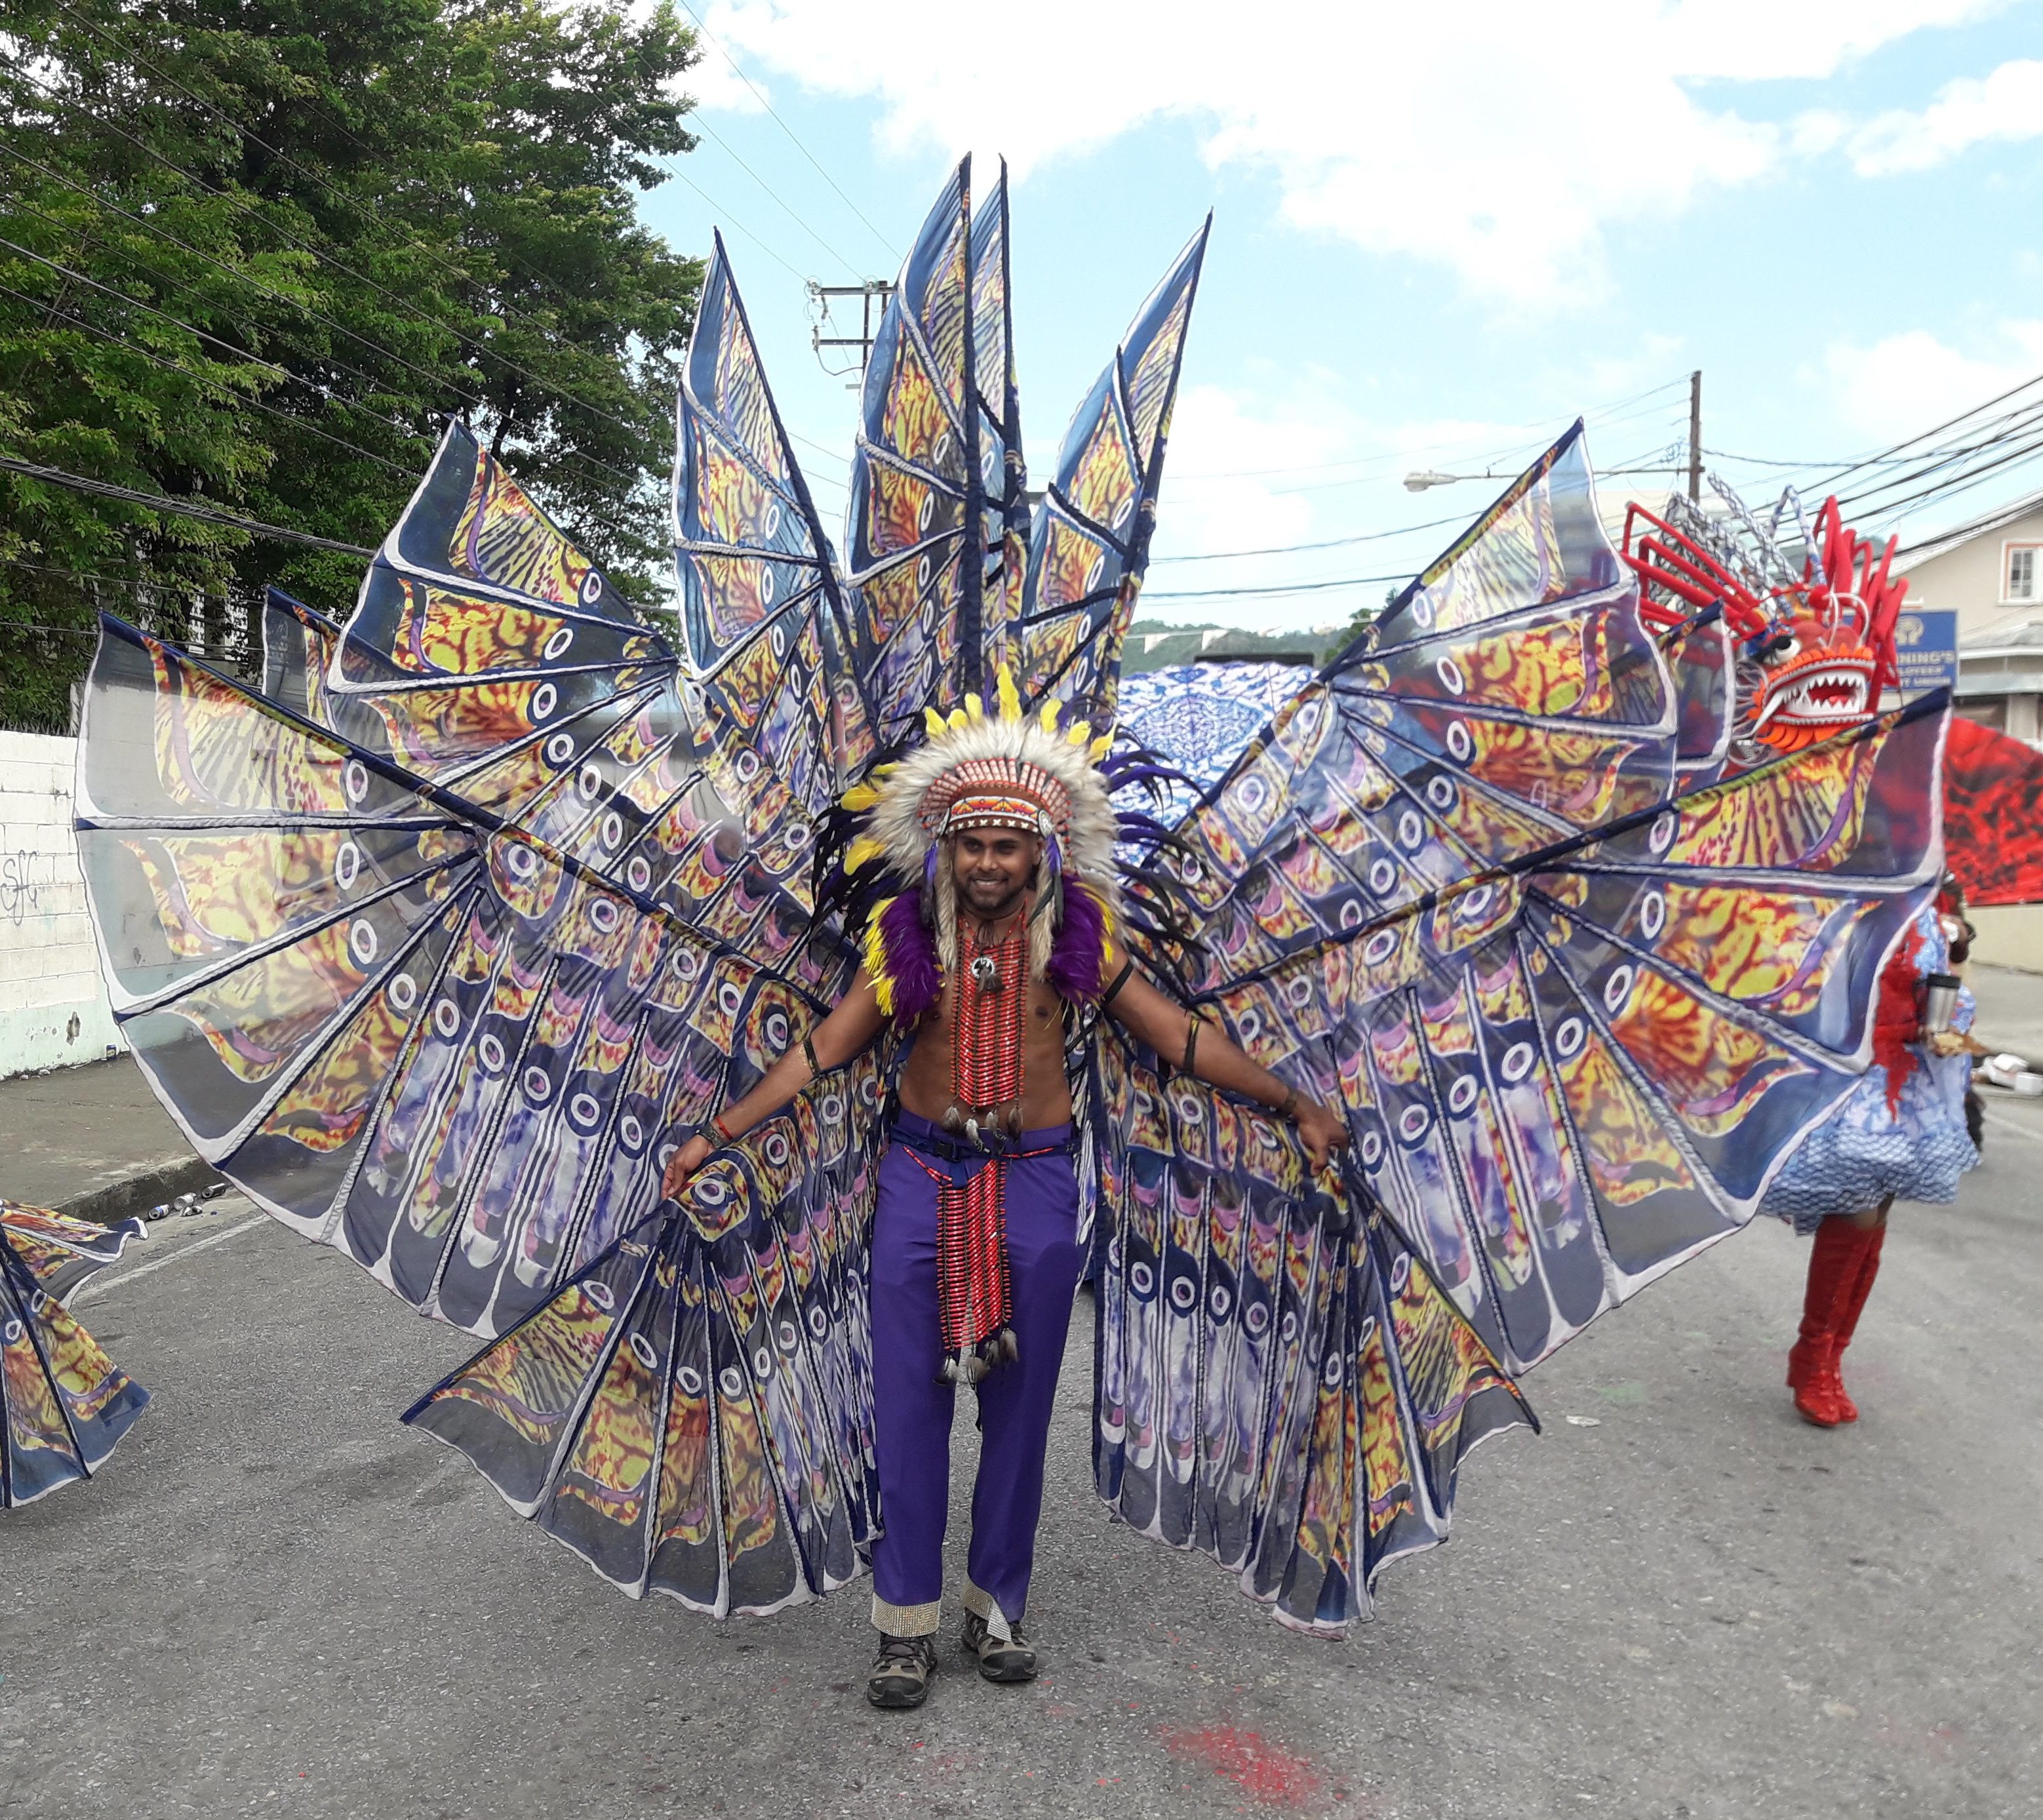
1861,1287
1837,1261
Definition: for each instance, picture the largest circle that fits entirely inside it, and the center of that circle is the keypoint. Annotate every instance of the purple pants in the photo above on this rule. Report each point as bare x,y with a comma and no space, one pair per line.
912,1410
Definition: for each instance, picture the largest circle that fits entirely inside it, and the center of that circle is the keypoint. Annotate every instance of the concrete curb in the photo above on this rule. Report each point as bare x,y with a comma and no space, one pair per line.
148,1186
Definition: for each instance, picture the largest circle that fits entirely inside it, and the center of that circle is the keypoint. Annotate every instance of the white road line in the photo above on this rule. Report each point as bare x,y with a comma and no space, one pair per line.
181,1252
2013,1124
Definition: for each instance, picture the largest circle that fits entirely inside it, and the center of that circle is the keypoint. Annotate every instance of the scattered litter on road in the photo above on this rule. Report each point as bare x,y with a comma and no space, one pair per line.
184,1204
1585,1421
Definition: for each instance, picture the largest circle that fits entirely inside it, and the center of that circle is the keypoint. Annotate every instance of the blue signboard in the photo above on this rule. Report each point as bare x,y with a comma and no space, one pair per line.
1926,649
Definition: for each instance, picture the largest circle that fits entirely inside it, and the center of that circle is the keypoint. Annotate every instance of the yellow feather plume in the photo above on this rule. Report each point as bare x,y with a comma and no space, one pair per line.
1101,747
1051,710
1010,697
863,849
934,724
976,707
859,798
959,718
1081,733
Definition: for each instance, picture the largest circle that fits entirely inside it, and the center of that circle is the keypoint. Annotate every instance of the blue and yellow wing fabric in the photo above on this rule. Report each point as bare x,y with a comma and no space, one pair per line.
1576,1014
452,1044
919,491
63,1404
769,635
1089,544
692,1413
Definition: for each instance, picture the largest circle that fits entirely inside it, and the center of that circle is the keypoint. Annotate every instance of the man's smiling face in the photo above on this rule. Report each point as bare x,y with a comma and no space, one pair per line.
993,867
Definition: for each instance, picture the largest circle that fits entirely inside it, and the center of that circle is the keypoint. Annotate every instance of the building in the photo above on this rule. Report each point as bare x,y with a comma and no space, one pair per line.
1990,572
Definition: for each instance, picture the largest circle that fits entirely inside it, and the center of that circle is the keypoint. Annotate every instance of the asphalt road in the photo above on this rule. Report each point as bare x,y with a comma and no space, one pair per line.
273,1598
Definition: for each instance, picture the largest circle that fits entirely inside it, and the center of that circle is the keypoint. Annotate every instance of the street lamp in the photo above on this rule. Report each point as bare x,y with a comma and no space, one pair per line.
1428,477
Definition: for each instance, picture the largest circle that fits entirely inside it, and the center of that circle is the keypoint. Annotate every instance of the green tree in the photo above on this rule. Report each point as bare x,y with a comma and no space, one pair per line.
257,253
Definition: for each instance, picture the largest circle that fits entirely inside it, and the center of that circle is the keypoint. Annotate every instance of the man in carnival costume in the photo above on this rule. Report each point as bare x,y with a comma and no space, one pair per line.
1003,830
481,943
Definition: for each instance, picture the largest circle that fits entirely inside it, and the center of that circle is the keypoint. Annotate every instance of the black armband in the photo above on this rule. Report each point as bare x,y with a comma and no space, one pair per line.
1120,979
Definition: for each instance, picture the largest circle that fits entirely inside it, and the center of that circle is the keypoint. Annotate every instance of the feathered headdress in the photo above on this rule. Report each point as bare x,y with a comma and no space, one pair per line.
978,770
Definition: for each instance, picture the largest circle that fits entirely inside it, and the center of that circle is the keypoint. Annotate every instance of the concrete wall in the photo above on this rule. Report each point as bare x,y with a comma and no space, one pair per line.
2009,935
53,1009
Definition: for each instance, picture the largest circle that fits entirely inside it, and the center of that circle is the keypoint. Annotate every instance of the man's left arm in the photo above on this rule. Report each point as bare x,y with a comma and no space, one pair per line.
1196,1046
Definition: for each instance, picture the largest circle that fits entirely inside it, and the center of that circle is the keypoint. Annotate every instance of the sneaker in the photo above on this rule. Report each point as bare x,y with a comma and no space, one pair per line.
1011,1660
902,1672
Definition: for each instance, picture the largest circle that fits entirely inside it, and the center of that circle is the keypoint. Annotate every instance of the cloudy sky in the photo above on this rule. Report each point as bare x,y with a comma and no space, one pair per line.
1441,233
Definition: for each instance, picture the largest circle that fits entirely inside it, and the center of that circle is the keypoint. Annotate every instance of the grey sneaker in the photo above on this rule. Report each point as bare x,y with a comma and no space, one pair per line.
902,1672
1013,1661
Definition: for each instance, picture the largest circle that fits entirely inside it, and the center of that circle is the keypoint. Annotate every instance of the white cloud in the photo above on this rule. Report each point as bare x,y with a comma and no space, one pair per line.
1498,138
2007,104
1904,383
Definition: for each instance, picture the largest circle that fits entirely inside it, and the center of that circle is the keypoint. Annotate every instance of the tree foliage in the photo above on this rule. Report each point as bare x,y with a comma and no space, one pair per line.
255,253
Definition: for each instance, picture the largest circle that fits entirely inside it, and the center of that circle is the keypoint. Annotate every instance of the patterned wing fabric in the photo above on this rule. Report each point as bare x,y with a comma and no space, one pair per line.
1004,476
692,1414
1575,1021
437,1042
768,634
918,492
1280,1383
1993,815
1090,543
63,1404
461,665
60,1251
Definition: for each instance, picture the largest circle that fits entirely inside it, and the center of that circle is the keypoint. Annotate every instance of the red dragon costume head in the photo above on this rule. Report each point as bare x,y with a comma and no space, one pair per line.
1819,648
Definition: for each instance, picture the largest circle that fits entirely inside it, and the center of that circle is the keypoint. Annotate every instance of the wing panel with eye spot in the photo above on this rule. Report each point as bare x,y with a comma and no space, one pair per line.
692,1414
1278,1385
63,1404
406,1028
768,636
1089,546
918,516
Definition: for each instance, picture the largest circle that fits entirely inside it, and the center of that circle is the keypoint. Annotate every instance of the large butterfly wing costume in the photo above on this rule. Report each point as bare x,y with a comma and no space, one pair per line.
439,947
63,1403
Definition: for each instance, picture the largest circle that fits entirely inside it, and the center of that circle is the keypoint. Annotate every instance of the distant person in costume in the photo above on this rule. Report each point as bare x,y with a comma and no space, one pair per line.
1903,1134
1002,831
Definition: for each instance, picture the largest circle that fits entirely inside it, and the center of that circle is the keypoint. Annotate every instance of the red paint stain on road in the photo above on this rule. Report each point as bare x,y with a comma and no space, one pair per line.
1272,1775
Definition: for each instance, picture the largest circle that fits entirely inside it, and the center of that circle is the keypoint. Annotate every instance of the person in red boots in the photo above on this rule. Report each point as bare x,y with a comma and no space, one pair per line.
1902,1135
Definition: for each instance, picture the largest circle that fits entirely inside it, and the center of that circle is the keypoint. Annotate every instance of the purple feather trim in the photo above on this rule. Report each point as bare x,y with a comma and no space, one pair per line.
1074,968
911,960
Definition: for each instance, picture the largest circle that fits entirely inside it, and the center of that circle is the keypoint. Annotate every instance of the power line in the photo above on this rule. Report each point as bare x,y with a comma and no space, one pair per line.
241,354
177,507
283,157
788,130
218,385
724,214
1327,543
1294,587
126,582
439,380
482,349
717,139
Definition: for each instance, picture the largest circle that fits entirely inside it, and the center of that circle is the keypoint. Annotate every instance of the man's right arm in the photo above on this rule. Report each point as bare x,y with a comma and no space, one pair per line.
855,1022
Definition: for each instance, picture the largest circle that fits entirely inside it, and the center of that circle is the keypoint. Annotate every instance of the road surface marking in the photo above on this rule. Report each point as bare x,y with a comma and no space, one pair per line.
181,1252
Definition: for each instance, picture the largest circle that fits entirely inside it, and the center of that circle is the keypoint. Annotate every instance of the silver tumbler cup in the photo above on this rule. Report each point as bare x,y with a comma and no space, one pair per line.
1940,999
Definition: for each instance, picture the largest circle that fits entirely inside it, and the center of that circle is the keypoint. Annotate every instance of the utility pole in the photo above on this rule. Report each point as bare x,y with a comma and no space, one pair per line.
1696,436
872,295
